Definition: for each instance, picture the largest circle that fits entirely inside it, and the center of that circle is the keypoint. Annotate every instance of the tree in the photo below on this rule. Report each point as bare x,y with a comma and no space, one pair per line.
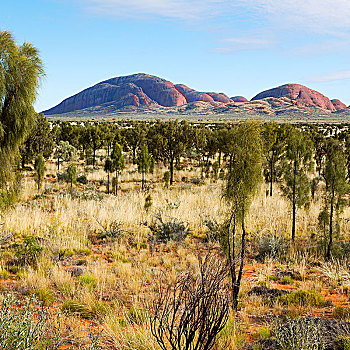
274,136
319,141
93,136
39,167
72,176
70,133
40,141
298,162
20,73
347,149
118,163
108,169
135,137
168,141
242,182
143,162
64,152
334,174
190,313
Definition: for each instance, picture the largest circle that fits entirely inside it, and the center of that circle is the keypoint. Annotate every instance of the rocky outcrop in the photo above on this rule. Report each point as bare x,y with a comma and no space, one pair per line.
135,90
239,99
193,95
144,93
338,105
301,95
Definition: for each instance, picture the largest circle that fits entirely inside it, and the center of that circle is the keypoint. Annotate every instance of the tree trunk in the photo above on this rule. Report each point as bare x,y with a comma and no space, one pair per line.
294,204
171,171
93,156
271,176
293,221
108,182
58,163
328,255
116,183
143,180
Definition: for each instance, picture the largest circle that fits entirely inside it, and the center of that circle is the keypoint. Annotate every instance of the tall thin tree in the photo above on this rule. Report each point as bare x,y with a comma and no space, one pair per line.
20,73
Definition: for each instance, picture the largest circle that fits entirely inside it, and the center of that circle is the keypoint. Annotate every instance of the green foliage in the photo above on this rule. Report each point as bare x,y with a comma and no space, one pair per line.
166,178
44,296
20,73
118,163
303,298
23,327
274,142
64,152
41,141
39,167
136,316
300,334
165,231
143,162
244,167
148,202
297,163
88,280
270,245
28,252
72,175
168,141
335,175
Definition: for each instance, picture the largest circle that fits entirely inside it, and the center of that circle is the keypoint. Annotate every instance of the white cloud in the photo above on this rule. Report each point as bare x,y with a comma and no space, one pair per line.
333,76
320,15
231,45
175,9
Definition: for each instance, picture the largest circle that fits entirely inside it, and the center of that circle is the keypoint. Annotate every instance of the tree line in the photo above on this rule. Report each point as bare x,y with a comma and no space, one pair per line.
300,159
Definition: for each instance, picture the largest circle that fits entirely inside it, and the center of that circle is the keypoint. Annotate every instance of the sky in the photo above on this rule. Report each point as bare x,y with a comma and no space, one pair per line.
239,47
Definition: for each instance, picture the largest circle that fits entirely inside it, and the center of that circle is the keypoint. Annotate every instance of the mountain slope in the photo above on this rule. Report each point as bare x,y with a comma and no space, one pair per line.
144,93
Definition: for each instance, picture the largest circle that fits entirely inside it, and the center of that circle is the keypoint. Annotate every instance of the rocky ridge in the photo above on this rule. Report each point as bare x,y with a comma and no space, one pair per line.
144,93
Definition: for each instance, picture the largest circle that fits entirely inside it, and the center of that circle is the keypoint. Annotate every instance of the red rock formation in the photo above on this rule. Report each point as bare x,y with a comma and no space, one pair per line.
302,95
147,93
338,104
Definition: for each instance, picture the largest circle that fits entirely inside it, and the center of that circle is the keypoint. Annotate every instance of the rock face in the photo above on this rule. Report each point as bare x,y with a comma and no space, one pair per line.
193,95
338,105
144,93
301,95
239,99
133,90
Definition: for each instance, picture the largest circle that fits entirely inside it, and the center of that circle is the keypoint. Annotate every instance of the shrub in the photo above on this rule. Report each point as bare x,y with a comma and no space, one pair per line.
148,203
28,252
87,280
342,313
303,298
45,296
77,308
299,334
213,233
271,246
82,179
173,229
19,329
136,316
4,274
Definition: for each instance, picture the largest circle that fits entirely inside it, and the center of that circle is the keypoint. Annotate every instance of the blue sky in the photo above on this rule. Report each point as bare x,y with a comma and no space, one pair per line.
239,47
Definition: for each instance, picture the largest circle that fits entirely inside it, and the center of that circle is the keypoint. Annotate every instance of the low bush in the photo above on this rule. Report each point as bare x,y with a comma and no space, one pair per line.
171,230
303,298
270,245
28,252
300,334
